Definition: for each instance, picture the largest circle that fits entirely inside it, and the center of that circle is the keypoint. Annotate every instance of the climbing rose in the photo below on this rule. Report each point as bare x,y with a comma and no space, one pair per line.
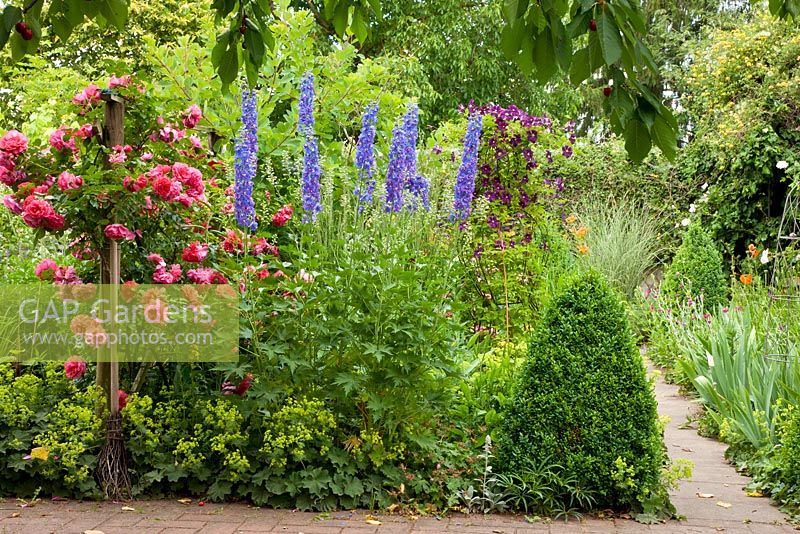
119,231
14,143
74,368
195,252
90,95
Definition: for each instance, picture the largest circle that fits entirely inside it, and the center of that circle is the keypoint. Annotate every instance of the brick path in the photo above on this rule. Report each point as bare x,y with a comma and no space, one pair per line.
712,475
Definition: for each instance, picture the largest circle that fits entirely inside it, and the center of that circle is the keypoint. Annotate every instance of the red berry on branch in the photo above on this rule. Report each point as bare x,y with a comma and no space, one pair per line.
607,91
593,25
24,30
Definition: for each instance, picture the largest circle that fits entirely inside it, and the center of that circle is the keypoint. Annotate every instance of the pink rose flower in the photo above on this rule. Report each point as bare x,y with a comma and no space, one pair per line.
74,368
14,143
261,246
11,203
84,132
67,180
58,141
232,244
195,252
205,275
119,231
156,258
147,156
122,81
163,276
90,96
46,269
66,275
283,215
192,116
37,212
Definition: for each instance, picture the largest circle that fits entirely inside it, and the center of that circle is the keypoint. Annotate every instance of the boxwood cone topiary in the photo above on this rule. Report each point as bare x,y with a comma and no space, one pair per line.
583,401
697,270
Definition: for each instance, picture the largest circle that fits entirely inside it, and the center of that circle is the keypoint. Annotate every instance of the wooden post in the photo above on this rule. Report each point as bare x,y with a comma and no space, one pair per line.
113,135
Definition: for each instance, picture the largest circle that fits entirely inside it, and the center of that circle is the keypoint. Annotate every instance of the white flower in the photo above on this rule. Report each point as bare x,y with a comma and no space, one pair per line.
704,198
692,208
765,256
704,186
685,222
782,164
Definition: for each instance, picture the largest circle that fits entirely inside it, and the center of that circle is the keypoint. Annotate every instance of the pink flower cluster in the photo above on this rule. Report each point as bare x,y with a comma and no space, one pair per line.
74,368
48,269
283,215
12,145
38,213
195,252
67,180
64,139
119,231
178,183
88,97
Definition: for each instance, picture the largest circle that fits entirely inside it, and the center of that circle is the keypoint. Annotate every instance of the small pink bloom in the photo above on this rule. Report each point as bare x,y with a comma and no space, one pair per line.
90,96
163,276
283,215
122,81
195,252
74,368
84,132
192,116
147,156
67,180
119,231
261,246
232,244
46,269
14,143
60,143
11,203
196,143
66,275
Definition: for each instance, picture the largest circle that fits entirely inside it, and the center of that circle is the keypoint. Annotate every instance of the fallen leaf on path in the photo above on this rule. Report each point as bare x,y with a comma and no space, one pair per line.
723,504
705,495
93,532
720,529
14,514
686,449
373,522
128,509
185,501
754,494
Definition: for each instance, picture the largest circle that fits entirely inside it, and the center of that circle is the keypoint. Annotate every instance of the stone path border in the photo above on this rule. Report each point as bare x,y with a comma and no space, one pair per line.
712,475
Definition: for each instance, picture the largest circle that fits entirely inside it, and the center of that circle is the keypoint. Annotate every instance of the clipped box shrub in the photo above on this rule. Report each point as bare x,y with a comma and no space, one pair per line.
696,271
583,402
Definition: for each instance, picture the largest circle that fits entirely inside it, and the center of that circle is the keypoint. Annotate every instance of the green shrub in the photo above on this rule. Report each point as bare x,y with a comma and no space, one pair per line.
583,399
696,271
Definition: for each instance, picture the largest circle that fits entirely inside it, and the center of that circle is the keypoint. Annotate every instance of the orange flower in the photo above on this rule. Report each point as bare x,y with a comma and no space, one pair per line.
752,250
580,233
746,279
571,219
583,249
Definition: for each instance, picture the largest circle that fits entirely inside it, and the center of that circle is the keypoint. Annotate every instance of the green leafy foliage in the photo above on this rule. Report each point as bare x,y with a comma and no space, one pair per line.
742,100
583,399
51,429
537,39
696,271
